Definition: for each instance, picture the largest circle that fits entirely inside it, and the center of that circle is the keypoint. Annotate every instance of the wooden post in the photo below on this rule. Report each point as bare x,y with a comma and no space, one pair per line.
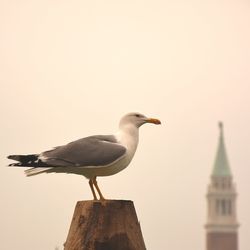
105,225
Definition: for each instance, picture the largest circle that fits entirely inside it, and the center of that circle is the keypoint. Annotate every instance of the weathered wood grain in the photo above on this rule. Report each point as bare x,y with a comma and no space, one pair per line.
105,225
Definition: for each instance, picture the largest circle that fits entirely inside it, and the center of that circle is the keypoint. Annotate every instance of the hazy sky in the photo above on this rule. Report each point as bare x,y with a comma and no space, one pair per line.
69,69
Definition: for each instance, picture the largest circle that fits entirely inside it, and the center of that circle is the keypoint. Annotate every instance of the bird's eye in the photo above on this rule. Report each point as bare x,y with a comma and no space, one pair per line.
137,115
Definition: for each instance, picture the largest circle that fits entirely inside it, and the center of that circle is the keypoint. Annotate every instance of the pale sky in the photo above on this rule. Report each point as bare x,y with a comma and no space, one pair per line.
69,69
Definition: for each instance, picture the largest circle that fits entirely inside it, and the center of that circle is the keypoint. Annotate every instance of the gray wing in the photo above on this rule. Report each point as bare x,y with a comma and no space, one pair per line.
97,150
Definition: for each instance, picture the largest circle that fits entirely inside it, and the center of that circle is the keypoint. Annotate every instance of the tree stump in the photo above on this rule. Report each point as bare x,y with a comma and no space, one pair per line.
105,225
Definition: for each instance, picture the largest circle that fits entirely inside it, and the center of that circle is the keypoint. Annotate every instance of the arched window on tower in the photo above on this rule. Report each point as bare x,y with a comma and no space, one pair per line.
223,184
223,207
229,207
217,209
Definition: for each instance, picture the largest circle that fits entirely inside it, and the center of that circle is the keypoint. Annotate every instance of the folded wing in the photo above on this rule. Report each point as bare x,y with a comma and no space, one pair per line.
97,150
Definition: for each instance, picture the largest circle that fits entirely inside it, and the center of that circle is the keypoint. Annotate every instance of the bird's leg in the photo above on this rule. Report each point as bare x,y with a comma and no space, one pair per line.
98,189
92,189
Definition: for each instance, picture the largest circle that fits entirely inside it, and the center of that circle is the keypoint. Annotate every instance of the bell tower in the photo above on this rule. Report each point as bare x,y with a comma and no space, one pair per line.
222,225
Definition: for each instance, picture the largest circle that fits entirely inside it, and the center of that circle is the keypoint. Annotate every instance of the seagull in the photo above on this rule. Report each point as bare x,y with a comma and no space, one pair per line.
92,156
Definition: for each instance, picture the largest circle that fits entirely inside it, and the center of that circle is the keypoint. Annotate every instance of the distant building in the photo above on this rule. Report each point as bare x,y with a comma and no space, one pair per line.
222,225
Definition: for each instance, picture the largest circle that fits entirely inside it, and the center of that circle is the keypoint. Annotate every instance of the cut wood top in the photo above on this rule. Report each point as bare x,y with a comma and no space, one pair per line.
105,225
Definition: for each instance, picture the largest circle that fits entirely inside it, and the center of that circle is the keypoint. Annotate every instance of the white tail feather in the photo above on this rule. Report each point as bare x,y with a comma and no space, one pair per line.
35,171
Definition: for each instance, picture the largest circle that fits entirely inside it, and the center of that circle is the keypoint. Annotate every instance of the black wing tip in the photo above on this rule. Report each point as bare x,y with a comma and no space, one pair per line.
14,165
13,157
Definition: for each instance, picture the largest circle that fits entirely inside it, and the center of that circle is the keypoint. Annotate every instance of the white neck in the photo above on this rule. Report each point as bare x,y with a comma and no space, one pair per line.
128,136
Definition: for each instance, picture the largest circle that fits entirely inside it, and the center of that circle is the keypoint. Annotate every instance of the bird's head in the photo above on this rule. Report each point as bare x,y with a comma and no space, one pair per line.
137,120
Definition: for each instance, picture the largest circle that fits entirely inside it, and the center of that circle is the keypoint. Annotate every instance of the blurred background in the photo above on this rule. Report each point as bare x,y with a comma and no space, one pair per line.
69,69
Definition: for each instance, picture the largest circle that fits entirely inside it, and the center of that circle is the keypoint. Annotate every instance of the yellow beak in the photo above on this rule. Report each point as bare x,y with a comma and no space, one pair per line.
153,120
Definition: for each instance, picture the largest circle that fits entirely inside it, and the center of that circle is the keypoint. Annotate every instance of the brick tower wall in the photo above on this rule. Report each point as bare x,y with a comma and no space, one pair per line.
222,241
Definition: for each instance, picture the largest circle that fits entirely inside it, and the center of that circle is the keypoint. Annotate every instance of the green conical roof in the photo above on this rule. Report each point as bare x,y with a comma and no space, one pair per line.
221,164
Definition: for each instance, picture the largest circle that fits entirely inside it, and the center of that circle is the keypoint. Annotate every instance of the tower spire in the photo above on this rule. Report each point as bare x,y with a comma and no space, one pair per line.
222,225
221,164
221,127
